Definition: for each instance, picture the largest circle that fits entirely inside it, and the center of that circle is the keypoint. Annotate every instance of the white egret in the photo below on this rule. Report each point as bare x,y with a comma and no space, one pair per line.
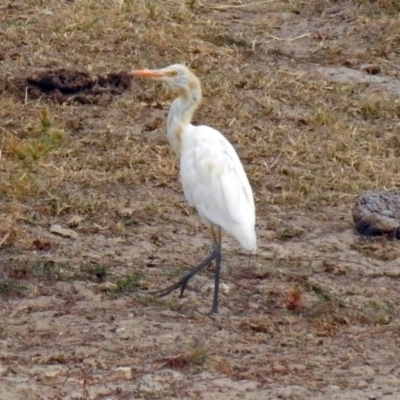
212,175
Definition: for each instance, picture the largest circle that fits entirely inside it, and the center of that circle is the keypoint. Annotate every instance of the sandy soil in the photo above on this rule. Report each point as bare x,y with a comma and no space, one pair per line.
315,315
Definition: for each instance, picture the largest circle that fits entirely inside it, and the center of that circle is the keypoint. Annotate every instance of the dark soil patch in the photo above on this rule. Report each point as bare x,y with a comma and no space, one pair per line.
62,86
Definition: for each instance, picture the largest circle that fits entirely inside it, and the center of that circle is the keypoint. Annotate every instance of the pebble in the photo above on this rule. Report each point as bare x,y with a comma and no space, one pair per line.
123,373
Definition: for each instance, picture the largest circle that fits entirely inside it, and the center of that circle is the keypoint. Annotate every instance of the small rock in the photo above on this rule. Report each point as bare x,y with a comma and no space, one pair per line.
278,367
126,212
339,270
52,373
223,287
334,268
387,390
3,370
310,336
123,373
362,384
90,362
108,286
47,12
377,213
74,221
123,334
75,395
66,233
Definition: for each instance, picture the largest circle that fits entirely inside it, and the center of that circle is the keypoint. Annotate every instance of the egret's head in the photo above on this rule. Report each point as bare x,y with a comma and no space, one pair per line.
176,77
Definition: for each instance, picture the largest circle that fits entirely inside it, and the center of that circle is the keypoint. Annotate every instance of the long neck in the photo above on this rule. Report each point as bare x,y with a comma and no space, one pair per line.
181,113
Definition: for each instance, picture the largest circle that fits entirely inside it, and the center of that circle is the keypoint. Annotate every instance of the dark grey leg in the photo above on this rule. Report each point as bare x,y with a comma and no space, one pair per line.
184,280
215,255
218,259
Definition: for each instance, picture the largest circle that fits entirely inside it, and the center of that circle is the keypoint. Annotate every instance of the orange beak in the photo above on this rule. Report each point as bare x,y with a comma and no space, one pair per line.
148,73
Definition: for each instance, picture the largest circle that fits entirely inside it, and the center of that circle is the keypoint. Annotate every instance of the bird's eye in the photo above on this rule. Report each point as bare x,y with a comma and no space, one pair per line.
173,73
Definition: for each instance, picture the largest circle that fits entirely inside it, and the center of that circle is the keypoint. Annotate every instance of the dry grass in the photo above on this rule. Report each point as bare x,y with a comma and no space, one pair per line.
379,7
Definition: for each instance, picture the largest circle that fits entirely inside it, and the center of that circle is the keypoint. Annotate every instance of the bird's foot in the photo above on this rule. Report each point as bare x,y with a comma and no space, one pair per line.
181,283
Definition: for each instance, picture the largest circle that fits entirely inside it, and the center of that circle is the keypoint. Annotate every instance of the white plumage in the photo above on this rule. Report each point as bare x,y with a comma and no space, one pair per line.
215,182
213,178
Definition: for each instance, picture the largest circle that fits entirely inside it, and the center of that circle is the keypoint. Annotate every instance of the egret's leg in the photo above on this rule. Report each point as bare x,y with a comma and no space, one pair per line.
185,279
215,255
217,248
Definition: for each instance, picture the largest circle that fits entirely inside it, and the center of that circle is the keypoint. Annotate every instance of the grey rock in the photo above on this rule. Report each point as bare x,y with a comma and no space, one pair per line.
377,213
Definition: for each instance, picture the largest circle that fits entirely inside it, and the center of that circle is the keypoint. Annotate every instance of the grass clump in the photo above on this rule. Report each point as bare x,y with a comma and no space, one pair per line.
49,270
194,356
378,107
128,284
97,271
9,288
34,142
28,172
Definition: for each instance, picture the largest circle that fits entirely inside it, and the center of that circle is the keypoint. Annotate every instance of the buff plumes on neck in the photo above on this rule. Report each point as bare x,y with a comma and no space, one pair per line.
183,82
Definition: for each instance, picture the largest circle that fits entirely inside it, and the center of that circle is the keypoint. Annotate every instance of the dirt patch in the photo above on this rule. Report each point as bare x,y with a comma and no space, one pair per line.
65,86
348,75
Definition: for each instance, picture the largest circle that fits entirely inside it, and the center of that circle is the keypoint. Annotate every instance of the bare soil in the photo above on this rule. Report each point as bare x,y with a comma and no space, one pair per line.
308,93
63,86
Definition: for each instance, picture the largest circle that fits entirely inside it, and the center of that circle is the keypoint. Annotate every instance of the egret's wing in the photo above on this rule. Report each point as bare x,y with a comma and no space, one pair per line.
215,182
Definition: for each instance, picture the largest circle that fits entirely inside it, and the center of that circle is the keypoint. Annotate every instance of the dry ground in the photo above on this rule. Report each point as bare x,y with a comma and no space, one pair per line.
314,316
